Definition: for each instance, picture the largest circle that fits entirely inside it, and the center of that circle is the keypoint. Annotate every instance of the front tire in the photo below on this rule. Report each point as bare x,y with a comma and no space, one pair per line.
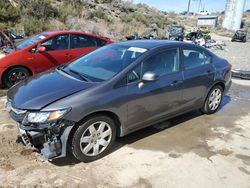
15,75
213,100
93,139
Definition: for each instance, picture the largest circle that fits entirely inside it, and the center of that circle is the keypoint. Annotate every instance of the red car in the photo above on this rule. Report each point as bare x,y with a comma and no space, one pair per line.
45,51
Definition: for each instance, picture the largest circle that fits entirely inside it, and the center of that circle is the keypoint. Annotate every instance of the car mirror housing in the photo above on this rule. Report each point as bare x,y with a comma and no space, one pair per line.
41,49
149,77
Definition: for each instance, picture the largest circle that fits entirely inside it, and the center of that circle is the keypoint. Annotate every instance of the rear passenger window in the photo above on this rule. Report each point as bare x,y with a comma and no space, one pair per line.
194,58
82,41
100,42
163,63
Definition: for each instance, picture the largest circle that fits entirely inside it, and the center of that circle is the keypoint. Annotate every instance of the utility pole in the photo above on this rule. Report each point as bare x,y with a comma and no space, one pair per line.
199,6
189,1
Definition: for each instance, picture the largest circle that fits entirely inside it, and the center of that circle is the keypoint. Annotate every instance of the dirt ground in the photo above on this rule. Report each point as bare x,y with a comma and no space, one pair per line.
192,150
237,53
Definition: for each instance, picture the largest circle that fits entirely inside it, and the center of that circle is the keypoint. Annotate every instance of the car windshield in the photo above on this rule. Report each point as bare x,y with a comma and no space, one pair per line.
30,41
103,63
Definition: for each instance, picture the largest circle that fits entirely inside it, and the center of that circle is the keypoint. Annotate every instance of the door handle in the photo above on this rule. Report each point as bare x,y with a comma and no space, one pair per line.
67,55
176,83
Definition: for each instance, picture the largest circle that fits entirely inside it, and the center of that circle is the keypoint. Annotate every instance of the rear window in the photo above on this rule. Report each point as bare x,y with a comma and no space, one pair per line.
194,58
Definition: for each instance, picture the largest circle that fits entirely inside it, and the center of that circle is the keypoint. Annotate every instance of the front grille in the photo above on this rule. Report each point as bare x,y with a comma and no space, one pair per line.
17,117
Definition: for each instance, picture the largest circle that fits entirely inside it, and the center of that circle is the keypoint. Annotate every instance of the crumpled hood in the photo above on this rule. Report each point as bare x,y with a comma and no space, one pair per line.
43,89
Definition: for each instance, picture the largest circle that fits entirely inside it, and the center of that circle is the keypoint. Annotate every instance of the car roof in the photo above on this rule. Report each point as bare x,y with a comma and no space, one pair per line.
150,44
73,32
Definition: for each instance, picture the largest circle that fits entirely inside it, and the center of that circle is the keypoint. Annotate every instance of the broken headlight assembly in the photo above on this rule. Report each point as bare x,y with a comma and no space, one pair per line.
45,117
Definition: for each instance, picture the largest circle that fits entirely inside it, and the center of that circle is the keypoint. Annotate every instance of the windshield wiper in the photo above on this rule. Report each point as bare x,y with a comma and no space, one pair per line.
61,68
81,75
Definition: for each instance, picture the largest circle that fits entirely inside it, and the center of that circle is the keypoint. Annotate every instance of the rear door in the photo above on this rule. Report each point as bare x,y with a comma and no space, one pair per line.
199,74
81,44
157,99
57,52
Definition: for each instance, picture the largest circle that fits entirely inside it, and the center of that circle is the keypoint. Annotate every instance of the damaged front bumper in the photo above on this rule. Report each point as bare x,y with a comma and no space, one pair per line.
50,139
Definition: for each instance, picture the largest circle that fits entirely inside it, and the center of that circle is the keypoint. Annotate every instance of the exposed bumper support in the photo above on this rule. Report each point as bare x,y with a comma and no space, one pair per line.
51,144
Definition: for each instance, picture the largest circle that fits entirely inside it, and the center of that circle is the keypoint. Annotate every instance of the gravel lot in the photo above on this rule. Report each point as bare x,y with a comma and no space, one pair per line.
237,53
192,150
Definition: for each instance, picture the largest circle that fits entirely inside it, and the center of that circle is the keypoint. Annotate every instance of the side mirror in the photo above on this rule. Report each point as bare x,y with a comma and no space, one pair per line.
41,49
149,77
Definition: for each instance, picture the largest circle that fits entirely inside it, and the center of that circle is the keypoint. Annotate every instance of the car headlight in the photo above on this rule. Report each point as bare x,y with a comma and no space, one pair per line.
44,117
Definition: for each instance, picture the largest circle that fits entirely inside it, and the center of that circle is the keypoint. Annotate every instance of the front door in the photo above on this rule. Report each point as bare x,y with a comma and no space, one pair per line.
57,53
157,99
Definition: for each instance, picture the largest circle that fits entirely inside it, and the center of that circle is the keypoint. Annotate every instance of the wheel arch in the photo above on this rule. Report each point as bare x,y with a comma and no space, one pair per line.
15,66
109,114
220,83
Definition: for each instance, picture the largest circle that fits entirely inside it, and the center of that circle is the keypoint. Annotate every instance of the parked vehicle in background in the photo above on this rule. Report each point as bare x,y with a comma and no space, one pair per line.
134,36
45,51
203,12
240,35
5,41
193,35
184,13
12,36
176,33
120,88
199,33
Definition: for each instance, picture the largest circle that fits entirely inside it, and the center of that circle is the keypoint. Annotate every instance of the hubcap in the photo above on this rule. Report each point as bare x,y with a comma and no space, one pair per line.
214,99
95,138
17,76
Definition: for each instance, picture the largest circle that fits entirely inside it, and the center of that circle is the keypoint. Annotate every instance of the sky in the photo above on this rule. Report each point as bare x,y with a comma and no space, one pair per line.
181,5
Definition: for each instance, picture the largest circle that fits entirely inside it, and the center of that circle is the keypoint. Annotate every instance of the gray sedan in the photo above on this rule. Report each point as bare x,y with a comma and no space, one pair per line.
83,106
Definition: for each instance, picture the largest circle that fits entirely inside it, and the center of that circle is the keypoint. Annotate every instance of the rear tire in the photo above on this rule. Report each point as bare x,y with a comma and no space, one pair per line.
213,100
93,139
15,75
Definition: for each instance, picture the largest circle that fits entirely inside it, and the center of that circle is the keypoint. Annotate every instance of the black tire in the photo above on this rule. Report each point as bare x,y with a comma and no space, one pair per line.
15,75
207,109
244,39
77,147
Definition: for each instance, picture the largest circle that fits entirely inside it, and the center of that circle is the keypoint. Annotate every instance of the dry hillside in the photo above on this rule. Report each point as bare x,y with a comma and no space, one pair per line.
110,18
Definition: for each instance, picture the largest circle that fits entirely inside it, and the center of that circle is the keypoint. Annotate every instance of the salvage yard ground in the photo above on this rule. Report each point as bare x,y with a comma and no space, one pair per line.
192,150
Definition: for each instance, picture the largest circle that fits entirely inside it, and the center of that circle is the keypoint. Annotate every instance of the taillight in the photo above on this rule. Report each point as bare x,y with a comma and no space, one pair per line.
230,66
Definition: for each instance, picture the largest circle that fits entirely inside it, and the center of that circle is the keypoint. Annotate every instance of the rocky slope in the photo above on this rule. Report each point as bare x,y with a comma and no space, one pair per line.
111,18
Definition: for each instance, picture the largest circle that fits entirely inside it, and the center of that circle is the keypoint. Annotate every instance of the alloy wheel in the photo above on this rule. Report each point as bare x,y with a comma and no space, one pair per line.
215,99
96,138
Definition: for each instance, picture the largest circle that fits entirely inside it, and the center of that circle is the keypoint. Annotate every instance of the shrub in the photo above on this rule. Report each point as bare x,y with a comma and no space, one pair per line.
99,14
41,9
8,13
33,25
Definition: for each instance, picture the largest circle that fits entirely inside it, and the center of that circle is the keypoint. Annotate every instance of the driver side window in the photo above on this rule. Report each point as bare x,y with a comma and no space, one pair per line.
59,42
134,75
163,63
